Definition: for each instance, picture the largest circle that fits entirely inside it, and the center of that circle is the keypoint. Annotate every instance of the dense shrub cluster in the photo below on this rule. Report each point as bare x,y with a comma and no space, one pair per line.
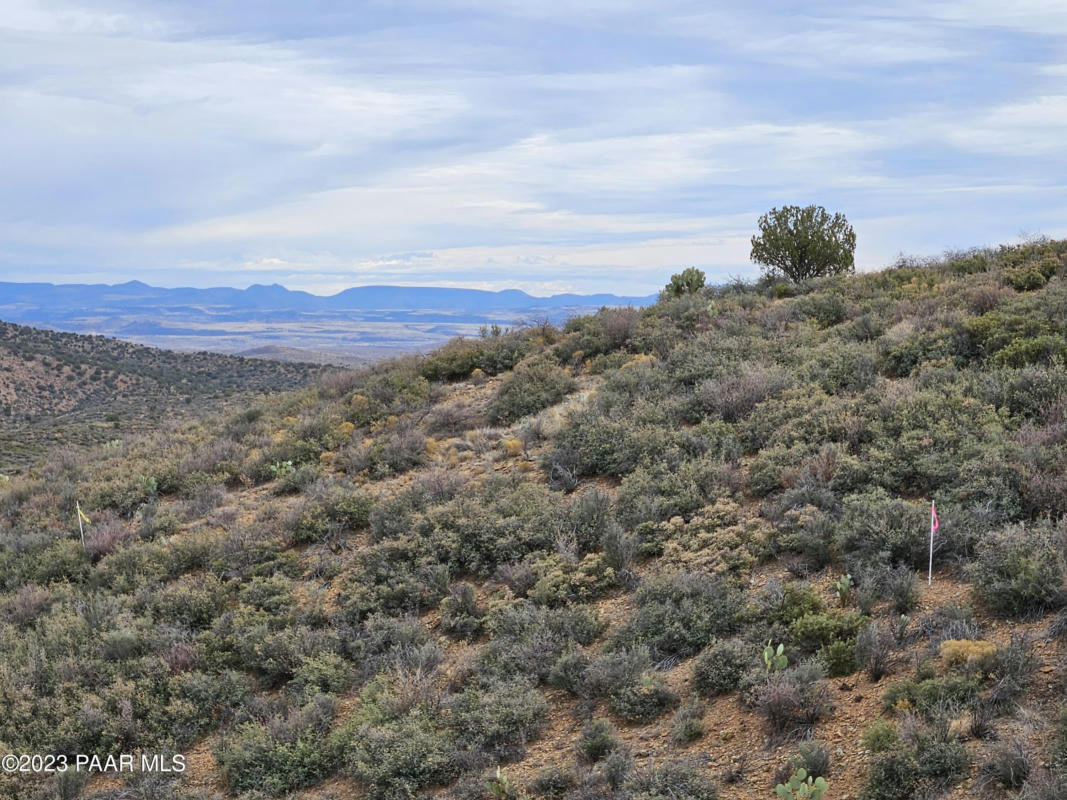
528,389
1018,572
494,352
929,759
678,615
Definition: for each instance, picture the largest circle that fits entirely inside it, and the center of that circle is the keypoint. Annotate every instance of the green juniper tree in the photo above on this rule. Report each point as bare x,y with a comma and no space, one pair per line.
802,243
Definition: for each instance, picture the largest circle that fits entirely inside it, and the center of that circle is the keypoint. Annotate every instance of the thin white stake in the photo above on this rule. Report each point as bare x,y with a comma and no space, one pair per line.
81,528
930,573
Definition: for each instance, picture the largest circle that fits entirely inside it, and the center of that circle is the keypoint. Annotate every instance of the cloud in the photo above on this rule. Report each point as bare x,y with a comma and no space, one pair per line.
514,143
1028,16
52,17
824,38
1037,127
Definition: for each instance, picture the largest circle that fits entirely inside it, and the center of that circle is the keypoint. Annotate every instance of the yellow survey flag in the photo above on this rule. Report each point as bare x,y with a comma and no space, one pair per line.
84,518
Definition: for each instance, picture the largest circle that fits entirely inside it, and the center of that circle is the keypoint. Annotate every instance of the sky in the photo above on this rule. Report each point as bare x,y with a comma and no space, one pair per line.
547,146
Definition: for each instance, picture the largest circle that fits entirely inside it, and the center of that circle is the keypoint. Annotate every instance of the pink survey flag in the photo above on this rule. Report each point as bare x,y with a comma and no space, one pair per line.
934,522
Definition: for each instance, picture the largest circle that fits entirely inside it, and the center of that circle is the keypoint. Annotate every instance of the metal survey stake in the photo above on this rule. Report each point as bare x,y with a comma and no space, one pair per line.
934,525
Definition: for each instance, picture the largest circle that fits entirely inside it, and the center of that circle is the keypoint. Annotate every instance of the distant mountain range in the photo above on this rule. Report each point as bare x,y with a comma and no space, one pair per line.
50,299
342,328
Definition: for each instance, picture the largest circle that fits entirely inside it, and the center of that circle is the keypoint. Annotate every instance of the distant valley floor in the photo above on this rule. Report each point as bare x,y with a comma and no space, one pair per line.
352,328
343,343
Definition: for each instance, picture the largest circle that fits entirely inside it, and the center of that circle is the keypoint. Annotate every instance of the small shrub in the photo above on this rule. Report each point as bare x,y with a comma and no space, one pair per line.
839,658
1011,668
283,756
792,701
966,653
460,616
941,759
562,580
644,700
880,736
293,481
1025,279
569,671
527,640
892,776
490,354
786,604
874,650
826,308
452,419
732,398
519,578
1007,767
598,739
193,603
620,547
902,588
932,694
1017,573
611,672
322,673
980,724
949,622
553,782
873,523
105,538
382,642
672,781
1058,754
658,490
471,786
617,767
273,595
720,667
1045,786
561,478
813,631
687,725
1057,629
329,509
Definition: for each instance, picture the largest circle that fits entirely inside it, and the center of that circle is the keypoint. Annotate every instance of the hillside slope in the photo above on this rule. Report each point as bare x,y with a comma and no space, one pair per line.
62,387
547,563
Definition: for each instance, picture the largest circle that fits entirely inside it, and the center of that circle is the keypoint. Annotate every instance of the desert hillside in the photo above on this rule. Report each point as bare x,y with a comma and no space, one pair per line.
63,389
675,552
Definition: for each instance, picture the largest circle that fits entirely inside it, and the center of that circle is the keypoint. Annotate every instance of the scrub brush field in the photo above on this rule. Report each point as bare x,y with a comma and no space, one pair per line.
674,552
